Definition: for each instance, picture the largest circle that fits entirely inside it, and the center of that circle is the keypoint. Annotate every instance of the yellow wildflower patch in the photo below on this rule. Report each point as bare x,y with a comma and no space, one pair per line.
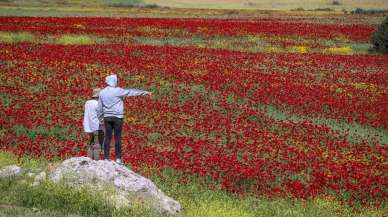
340,50
107,73
80,26
298,49
138,77
129,119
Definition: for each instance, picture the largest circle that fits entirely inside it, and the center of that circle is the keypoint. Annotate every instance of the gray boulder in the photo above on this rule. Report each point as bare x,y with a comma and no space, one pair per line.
128,186
10,171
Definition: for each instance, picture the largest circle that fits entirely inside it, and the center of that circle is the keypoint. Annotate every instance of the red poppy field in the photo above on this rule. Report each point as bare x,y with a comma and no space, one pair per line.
265,106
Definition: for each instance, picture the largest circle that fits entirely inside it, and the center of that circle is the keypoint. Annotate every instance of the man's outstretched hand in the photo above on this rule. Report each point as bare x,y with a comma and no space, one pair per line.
149,93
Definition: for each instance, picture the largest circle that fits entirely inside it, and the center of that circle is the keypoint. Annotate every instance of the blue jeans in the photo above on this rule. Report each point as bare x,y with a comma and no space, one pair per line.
113,124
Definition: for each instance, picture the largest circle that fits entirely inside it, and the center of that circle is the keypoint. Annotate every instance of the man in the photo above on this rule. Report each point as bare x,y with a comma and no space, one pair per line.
111,108
93,126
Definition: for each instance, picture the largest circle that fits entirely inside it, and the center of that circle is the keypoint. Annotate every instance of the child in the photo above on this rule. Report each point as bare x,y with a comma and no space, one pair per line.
93,126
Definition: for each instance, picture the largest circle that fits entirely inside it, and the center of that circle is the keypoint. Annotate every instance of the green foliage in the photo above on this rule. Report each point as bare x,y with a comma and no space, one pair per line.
219,208
57,132
13,211
195,197
369,11
380,38
360,47
39,87
323,9
5,99
118,2
355,132
15,37
7,159
230,98
77,40
65,199
153,137
25,162
198,89
198,200
315,9
298,9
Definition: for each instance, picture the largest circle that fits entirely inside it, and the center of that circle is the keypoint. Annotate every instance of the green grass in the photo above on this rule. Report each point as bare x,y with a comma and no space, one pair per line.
361,47
64,199
356,132
7,159
5,99
251,43
27,162
57,132
19,197
16,37
66,39
16,211
77,40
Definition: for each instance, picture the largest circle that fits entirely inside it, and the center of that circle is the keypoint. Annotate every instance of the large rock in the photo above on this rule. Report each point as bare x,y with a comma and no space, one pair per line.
128,185
10,171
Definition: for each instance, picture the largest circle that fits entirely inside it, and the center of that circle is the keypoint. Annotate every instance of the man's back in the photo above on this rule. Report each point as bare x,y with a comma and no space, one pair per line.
110,103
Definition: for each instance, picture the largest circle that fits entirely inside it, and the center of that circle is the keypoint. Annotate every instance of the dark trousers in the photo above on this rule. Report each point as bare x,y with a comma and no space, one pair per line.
113,124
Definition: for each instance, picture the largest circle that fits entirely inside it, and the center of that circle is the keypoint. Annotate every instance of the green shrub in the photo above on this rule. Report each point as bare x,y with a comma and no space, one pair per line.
336,3
380,38
370,11
298,9
323,9
150,6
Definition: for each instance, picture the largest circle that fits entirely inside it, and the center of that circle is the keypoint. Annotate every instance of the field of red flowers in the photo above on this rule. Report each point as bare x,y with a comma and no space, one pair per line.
302,114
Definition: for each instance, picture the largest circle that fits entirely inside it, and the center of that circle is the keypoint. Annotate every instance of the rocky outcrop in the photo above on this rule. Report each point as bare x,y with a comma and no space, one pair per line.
128,185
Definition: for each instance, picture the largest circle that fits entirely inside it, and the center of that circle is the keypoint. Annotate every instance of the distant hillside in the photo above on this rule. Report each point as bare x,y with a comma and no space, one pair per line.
213,4
273,4
72,2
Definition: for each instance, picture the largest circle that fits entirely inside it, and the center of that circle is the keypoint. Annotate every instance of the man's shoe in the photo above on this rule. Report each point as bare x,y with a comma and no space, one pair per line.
119,161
